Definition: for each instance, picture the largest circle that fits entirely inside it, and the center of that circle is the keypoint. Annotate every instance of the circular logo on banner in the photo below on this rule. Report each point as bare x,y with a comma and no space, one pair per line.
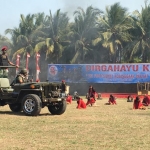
53,70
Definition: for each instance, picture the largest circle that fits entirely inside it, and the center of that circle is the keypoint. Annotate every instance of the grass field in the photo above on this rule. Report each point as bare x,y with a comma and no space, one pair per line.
103,127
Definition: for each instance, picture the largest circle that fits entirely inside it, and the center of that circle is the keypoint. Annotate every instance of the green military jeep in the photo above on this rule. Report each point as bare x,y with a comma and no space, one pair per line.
31,97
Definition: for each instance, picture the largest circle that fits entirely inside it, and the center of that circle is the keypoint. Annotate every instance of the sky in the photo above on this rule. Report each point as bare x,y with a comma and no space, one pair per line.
11,9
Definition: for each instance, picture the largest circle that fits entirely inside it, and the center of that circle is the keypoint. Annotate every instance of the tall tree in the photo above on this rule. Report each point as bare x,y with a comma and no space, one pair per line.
140,47
114,30
55,28
83,31
25,36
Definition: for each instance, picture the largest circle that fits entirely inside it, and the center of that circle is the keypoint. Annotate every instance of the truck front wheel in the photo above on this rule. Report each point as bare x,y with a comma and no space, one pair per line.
57,108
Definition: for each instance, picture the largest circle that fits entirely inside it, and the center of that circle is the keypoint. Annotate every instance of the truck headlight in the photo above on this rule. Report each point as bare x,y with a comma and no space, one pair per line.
32,86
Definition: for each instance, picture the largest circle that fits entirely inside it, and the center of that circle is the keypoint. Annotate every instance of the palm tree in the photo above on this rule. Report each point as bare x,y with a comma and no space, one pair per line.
114,30
140,47
25,37
83,31
55,28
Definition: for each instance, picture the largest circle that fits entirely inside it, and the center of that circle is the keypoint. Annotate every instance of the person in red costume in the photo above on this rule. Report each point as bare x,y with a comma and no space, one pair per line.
81,103
90,101
69,99
146,101
91,96
112,100
137,104
91,92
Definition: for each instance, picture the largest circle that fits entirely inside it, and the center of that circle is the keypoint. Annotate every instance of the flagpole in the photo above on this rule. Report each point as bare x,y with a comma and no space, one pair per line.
37,67
27,61
17,63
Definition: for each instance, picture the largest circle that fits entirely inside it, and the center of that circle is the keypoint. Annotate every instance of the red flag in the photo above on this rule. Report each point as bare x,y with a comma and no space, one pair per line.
27,61
37,67
17,63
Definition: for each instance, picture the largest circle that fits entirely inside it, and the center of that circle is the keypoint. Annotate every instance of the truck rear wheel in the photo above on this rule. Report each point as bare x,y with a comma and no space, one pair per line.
31,105
58,108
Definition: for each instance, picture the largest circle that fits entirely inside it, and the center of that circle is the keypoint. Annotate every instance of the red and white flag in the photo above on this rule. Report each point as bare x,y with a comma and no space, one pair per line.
37,67
17,63
27,61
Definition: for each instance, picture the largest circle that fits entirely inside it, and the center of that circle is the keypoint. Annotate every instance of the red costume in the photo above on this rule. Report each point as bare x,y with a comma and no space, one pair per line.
69,99
146,101
91,92
112,100
81,103
90,101
137,104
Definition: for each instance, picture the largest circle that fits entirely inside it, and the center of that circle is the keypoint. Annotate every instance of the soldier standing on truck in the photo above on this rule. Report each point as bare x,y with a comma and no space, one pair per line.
4,61
63,88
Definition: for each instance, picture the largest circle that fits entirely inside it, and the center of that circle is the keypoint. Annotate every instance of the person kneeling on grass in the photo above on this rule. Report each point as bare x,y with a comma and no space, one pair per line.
90,101
69,99
112,100
129,98
137,104
81,103
146,101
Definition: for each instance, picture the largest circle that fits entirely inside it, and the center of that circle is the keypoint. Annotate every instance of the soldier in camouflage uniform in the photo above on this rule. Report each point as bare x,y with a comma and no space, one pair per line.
4,61
21,77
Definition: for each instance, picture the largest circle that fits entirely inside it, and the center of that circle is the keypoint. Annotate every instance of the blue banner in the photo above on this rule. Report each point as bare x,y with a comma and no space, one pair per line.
99,73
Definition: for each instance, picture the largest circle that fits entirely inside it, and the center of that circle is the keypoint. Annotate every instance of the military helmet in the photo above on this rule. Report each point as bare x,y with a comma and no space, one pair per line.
23,71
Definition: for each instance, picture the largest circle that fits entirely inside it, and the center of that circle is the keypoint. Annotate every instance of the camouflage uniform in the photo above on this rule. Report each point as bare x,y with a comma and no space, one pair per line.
3,73
3,62
20,77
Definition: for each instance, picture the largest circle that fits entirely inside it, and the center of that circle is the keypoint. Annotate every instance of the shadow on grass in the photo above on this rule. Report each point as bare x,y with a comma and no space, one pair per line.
23,114
11,113
46,114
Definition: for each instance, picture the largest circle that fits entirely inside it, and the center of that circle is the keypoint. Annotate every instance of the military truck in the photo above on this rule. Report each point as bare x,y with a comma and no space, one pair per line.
31,97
